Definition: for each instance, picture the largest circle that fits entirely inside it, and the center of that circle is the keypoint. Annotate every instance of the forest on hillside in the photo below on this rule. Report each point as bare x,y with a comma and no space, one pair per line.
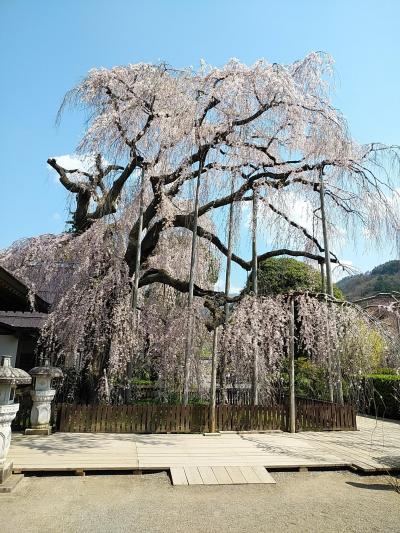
383,278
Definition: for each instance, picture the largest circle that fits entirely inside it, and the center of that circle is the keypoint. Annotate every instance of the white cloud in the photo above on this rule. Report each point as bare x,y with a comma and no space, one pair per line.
220,286
71,162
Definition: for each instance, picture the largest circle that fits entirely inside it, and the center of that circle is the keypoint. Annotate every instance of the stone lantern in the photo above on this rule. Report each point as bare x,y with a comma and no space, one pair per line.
9,379
42,395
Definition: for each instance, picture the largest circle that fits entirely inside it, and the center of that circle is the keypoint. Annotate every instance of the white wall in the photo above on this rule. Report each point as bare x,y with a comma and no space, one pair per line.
8,346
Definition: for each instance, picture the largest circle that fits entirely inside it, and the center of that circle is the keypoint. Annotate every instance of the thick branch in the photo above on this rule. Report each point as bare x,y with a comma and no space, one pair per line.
161,276
71,186
107,204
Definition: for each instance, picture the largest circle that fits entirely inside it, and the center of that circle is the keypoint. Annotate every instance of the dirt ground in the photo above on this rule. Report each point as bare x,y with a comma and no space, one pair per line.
300,502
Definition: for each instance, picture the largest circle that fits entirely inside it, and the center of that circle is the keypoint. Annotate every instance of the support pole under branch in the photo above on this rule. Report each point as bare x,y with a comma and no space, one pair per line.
292,391
138,246
227,291
254,279
213,390
193,257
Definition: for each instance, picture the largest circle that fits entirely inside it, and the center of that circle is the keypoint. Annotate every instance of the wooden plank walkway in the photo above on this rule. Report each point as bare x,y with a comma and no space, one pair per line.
220,475
229,457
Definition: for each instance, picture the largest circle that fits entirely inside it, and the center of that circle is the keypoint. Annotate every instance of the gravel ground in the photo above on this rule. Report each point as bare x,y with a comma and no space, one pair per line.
300,502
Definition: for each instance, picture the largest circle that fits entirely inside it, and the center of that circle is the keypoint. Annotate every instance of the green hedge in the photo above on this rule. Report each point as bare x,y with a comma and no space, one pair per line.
386,395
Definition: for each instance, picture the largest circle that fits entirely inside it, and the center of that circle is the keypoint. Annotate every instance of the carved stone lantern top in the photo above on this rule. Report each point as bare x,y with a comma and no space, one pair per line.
11,375
46,371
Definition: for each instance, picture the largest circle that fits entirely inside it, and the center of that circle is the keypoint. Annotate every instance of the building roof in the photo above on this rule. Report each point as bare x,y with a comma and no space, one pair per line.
14,294
22,320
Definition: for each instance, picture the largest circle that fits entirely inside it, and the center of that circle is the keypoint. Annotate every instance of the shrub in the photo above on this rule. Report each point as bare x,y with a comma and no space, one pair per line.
385,395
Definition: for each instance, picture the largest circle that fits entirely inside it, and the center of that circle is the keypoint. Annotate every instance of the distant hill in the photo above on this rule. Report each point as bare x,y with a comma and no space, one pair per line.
383,278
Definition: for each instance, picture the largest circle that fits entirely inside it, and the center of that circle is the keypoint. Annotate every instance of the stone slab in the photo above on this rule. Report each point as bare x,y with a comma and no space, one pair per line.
37,431
9,485
5,471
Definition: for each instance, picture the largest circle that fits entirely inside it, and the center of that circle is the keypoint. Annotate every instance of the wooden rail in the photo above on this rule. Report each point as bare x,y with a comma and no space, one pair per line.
312,415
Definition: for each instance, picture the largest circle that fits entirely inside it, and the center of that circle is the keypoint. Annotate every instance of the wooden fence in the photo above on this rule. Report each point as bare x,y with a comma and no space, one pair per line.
317,415
165,418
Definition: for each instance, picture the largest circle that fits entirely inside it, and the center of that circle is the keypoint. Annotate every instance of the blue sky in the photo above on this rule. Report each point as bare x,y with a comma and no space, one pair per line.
46,47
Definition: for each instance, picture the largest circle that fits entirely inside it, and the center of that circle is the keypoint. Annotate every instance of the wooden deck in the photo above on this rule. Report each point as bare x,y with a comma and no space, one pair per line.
220,459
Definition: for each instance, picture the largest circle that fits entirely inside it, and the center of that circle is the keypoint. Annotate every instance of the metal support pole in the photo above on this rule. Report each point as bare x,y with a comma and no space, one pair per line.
138,246
227,291
323,288
329,285
189,336
329,290
254,277
135,289
213,390
292,392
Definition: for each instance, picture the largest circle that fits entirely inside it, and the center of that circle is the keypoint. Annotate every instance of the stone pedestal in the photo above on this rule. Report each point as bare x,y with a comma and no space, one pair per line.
38,431
7,415
41,412
5,471
11,483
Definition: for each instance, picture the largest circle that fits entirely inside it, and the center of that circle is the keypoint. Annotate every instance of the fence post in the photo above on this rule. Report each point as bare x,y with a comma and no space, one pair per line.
292,394
212,427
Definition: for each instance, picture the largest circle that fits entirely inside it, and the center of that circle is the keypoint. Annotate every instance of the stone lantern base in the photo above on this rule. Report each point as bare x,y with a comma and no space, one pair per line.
38,431
5,471
40,413
8,480
7,415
